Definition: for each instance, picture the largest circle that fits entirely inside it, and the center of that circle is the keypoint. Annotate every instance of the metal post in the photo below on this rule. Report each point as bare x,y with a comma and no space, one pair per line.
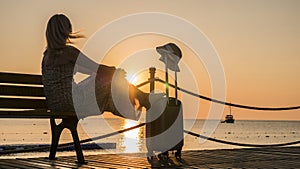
152,78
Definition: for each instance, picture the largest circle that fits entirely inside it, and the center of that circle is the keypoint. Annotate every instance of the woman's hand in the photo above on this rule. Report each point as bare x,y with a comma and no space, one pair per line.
120,73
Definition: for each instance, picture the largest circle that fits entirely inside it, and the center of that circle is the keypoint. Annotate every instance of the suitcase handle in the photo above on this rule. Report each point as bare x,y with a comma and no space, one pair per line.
167,82
170,51
176,91
167,78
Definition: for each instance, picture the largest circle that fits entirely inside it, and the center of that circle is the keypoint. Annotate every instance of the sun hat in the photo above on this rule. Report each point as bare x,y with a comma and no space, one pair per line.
170,55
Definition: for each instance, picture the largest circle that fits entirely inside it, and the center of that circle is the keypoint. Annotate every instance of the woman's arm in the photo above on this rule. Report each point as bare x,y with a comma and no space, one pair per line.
82,63
86,65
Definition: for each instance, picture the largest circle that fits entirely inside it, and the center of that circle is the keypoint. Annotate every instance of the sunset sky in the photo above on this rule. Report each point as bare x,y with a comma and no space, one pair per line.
257,42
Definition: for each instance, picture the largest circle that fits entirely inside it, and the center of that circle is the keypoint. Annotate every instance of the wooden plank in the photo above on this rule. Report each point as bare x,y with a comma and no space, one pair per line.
42,161
52,163
70,163
90,163
19,78
106,162
8,90
22,103
235,158
34,163
5,165
17,164
109,161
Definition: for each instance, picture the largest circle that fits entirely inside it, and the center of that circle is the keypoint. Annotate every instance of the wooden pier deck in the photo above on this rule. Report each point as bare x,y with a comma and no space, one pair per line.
287,157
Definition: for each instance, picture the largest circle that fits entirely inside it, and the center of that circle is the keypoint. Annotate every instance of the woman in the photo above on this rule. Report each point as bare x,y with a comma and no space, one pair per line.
59,66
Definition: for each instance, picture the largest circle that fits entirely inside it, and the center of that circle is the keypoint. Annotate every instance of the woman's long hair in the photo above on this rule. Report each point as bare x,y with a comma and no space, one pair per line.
59,32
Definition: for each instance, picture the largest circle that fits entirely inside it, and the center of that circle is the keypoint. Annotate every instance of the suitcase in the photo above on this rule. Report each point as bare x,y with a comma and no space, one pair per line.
164,130
165,133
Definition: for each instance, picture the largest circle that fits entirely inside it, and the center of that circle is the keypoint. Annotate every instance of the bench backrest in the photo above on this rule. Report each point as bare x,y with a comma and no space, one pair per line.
21,91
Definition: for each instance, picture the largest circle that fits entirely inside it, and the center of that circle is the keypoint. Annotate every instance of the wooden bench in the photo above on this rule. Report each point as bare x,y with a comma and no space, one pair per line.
22,96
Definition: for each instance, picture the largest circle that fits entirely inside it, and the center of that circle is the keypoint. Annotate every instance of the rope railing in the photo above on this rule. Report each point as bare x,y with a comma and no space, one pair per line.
240,144
223,102
3,152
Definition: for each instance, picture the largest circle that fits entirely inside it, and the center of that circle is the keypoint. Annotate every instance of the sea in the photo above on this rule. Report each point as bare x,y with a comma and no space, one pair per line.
37,132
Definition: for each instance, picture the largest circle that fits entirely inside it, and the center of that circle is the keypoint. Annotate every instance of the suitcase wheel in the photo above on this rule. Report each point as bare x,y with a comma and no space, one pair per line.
150,158
150,155
163,156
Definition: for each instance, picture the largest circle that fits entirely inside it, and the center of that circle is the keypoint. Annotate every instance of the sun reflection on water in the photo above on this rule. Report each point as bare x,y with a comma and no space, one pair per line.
132,139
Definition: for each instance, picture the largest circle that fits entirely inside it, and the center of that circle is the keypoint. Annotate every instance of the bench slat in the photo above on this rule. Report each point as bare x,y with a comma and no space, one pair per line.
8,90
38,113
18,78
20,103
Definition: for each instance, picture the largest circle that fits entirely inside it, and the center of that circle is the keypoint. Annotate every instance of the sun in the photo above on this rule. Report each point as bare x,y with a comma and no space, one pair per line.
133,80
137,77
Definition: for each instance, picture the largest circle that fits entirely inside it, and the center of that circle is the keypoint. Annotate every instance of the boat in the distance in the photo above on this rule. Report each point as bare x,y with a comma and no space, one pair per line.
229,117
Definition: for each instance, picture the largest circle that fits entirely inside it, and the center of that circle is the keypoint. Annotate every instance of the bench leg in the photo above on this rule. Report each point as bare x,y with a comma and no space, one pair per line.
56,132
80,157
71,124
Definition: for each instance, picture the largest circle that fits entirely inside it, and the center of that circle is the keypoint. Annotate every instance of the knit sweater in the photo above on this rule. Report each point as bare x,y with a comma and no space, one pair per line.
58,69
